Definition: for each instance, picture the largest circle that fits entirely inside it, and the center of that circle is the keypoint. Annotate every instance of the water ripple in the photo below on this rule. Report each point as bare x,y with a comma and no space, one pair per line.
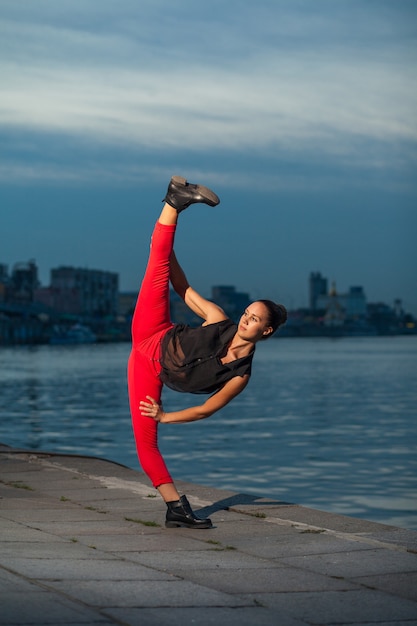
324,423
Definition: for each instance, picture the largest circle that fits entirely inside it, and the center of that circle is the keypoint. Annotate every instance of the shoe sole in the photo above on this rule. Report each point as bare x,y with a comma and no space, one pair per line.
209,196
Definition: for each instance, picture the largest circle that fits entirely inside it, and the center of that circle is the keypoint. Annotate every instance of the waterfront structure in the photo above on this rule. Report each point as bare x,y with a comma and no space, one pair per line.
30,313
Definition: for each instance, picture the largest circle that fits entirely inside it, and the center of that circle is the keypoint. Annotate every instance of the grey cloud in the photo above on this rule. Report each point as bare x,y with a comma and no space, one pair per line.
323,78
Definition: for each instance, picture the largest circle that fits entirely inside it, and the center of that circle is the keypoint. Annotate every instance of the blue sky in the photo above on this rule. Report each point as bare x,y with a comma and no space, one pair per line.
301,115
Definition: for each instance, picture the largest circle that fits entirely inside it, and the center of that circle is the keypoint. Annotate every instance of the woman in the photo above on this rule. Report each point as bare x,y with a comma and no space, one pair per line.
215,358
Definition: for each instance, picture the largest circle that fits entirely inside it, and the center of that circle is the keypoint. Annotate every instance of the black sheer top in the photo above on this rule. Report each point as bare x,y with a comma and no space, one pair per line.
190,357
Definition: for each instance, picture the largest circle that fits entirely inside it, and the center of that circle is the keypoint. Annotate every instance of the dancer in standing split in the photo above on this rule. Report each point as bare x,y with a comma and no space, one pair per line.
214,358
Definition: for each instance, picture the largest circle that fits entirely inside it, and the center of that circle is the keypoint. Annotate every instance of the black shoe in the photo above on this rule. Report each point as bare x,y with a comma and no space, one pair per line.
180,513
181,194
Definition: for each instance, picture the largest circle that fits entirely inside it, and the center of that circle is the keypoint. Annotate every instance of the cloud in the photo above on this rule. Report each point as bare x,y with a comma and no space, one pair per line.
283,79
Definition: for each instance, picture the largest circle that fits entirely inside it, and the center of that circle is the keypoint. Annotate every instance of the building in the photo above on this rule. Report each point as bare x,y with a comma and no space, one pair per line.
317,288
4,281
23,282
21,285
231,301
181,313
4,273
126,303
353,303
335,314
84,292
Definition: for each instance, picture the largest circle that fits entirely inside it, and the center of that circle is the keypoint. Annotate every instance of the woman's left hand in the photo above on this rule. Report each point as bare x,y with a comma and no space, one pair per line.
151,409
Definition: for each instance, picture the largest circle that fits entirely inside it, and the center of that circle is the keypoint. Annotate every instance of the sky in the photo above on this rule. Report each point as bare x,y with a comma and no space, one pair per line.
301,115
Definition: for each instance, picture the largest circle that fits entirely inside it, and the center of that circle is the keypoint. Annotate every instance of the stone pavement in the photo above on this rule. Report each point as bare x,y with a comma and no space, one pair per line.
83,542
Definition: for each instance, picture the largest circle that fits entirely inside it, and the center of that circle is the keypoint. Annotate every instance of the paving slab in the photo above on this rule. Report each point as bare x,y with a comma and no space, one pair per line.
353,564
343,607
83,541
210,616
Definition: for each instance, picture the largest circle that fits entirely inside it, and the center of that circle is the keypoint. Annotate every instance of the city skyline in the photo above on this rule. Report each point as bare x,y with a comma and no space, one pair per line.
326,286
300,115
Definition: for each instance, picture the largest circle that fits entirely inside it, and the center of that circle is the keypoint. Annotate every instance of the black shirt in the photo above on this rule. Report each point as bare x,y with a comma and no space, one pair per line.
191,357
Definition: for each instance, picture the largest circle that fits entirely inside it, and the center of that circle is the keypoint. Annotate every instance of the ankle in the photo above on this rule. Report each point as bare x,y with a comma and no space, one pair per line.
169,492
168,216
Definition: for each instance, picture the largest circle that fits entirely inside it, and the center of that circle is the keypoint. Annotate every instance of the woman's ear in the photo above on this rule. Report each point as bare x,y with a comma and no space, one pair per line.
268,331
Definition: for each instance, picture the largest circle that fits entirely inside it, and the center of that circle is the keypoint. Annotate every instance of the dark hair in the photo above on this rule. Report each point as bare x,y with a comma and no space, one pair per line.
277,315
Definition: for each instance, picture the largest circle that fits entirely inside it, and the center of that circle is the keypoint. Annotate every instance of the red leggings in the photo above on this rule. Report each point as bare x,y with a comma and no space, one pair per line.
151,320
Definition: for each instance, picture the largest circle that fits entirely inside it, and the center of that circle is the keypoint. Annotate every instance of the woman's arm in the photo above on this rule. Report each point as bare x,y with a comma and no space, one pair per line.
216,402
209,311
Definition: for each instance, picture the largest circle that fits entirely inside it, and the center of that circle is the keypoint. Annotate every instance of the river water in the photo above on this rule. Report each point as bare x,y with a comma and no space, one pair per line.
326,423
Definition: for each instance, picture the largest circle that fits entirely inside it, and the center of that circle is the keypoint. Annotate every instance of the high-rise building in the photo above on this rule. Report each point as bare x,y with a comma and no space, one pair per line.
4,281
24,281
318,287
84,292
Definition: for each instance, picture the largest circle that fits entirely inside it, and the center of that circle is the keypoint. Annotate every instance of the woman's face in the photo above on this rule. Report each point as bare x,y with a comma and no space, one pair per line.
254,323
